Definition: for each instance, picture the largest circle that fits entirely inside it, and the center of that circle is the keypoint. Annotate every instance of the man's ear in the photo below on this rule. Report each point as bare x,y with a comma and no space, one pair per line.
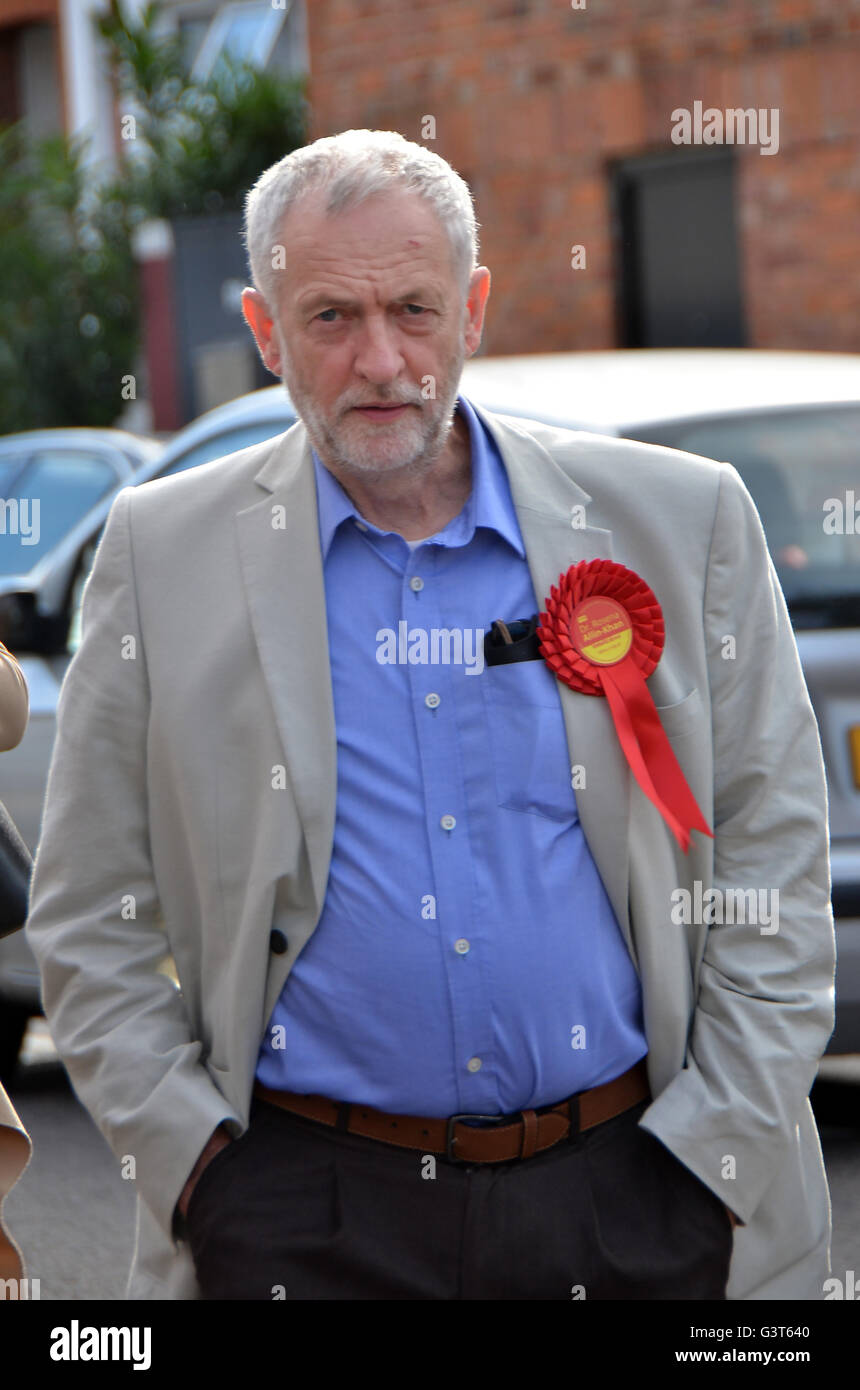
259,320
476,303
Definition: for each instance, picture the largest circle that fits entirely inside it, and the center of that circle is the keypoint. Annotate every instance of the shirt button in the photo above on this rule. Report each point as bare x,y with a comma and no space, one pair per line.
416,583
448,822
278,942
461,946
432,701
474,1064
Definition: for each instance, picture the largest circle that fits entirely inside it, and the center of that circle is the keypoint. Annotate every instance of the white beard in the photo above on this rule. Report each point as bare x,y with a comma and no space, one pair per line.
410,443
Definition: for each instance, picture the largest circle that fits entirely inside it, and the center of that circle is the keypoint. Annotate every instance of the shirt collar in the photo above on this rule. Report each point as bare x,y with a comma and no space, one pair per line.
489,503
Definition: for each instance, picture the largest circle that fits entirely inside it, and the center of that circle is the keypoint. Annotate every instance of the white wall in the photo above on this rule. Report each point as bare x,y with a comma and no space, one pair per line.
89,99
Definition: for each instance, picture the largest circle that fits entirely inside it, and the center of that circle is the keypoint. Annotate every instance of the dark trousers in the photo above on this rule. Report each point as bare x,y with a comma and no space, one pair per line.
296,1210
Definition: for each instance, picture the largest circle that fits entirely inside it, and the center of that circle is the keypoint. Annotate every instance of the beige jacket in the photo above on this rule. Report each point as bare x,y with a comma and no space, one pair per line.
169,829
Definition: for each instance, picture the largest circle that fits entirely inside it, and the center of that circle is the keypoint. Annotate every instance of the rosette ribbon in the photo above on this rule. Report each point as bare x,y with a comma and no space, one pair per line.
603,634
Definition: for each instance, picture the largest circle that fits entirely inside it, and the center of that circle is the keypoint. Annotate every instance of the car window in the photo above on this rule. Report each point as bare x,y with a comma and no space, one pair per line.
228,442
800,467
54,491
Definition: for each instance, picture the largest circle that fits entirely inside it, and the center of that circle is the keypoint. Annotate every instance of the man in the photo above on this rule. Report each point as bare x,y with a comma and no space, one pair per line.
397,891
15,1146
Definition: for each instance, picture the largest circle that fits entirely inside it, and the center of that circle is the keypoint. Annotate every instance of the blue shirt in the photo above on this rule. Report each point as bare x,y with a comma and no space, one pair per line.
467,957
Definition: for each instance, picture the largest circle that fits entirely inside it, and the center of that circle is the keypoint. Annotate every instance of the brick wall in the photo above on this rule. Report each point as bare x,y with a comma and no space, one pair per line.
533,100
28,11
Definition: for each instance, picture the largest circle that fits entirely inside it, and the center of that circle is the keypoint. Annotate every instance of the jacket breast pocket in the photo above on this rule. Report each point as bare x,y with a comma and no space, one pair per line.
680,718
528,742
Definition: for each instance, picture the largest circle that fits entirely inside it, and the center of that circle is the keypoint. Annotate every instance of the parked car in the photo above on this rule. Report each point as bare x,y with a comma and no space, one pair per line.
50,481
787,421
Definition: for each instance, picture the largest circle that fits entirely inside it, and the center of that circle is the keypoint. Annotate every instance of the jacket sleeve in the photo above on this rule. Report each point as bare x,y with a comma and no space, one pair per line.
14,701
765,1003
117,1019
15,1150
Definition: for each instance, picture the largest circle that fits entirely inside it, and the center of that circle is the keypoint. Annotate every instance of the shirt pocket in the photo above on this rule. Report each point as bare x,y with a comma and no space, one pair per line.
528,741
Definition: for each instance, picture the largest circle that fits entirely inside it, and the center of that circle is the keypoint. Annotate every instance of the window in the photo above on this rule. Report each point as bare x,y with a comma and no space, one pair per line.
677,251
245,32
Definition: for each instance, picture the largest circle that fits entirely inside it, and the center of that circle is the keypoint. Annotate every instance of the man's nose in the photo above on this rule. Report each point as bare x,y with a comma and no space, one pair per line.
378,357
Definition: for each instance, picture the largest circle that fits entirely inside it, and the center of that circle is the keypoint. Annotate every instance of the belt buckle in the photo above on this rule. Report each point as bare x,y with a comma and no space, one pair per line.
450,1135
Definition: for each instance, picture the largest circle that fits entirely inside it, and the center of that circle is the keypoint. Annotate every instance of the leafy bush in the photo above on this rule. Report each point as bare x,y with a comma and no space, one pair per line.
68,292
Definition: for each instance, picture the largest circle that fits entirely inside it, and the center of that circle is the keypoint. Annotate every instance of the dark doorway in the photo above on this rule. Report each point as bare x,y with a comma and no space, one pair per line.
677,251
217,356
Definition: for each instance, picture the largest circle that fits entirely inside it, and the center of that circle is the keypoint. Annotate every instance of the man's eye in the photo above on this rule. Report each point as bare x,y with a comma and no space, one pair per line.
419,307
327,311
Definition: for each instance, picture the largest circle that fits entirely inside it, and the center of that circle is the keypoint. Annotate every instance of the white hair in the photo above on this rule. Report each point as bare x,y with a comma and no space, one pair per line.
351,167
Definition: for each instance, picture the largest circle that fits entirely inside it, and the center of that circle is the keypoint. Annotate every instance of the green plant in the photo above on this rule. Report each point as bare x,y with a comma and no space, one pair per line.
68,299
197,146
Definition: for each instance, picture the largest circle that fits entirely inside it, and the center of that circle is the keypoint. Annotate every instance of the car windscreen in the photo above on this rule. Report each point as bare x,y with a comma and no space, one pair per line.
802,468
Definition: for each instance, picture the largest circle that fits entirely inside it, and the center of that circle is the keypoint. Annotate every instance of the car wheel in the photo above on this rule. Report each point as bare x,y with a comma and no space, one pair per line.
30,631
13,1025
836,1103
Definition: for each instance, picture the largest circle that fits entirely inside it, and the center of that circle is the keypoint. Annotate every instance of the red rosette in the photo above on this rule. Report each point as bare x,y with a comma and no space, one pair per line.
603,634
603,578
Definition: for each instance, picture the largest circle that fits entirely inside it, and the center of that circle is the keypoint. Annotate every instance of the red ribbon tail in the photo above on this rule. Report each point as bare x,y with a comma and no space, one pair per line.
649,752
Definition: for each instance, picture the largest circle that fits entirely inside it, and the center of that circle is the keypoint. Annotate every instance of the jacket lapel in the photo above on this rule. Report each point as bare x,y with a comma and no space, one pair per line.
283,577
545,498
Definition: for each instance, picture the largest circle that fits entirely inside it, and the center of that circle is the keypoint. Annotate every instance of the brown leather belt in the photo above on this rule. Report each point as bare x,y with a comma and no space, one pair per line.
519,1136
